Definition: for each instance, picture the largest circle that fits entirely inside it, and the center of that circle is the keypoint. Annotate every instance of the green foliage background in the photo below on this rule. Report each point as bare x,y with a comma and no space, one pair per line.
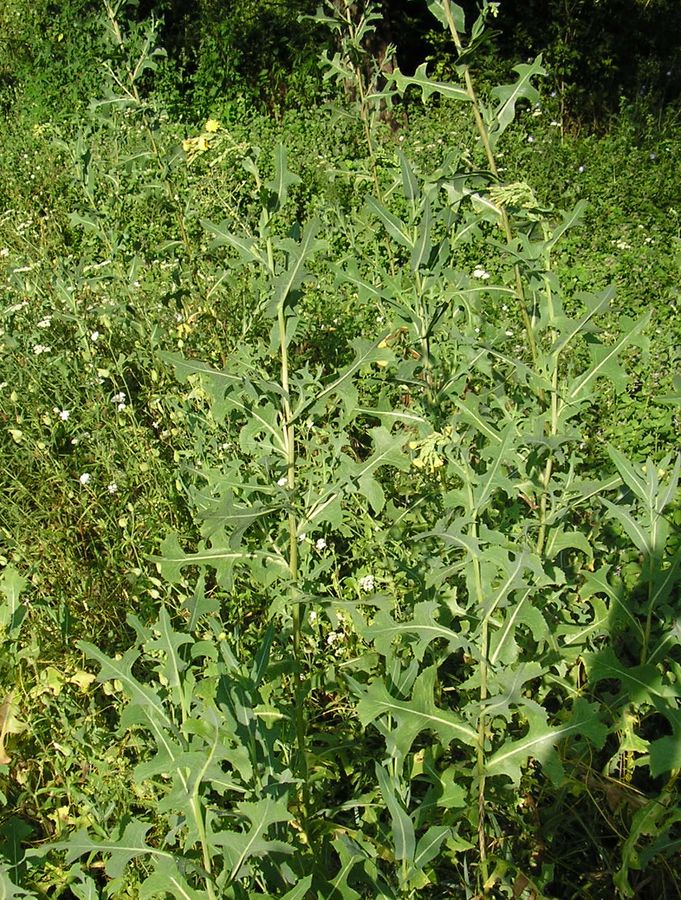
339,538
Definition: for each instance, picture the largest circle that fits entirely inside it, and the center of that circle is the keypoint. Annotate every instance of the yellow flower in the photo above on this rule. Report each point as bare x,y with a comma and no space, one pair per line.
187,144
212,125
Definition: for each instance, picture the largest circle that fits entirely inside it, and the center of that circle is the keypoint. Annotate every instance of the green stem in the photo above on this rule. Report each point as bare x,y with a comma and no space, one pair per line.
555,412
491,161
482,719
290,444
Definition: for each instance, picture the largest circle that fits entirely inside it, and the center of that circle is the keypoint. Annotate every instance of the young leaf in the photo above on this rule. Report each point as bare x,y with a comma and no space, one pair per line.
283,179
404,839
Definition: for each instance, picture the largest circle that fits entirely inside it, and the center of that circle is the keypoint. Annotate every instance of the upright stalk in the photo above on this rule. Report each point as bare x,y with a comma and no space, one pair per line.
289,436
491,161
482,719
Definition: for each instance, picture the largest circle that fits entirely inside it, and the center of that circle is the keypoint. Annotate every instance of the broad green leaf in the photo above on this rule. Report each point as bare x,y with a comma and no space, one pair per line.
239,847
423,245
493,478
428,87
283,179
404,838
394,226
509,95
605,362
246,247
423,626
429,844
168,644
437,9
503,647
638,534
414,716
642,684
568,329
120,851
12,611
387,451
469,410
184,367
560,540
295,272
506,689
665,752
219,555
541,739
410,185
168,880
366,352
8,889
633,479
568,221
141,695
618,606
300,891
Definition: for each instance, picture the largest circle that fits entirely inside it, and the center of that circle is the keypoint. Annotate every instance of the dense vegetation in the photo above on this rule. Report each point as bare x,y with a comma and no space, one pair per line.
339,542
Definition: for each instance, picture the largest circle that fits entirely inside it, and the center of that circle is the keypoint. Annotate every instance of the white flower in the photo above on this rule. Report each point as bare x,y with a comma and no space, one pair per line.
41,348
112,488
479,272
64,415
312,618
121,407
45,323
580,169
509,333
118,398
332,637
85,478
321,544
282,481
302,536
367,582
530,139
94,337
4,251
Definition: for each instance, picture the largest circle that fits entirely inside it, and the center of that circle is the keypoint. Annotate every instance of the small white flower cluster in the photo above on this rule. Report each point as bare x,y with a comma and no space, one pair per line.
480,272
39,349
120,401
45,322
86,478
367,583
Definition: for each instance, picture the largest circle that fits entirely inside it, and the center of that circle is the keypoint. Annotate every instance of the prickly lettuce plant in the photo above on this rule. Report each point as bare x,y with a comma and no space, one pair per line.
478,667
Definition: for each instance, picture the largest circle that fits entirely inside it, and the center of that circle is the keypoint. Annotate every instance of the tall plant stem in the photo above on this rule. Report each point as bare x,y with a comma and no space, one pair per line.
492,163
482,719
555,412
290,444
